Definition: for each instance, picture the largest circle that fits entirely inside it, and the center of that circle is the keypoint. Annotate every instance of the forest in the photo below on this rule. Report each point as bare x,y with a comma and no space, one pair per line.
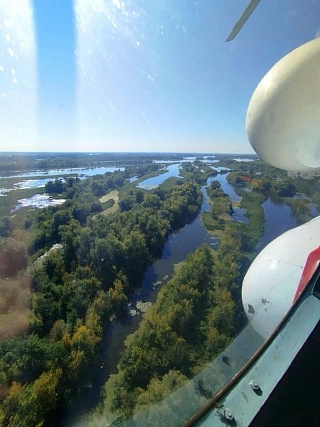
192,321
67,270
48,353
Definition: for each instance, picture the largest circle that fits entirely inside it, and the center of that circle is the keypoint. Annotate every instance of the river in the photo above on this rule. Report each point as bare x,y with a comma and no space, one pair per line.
53,173
172,171
278,215
278,219
179,245
177,248
239,214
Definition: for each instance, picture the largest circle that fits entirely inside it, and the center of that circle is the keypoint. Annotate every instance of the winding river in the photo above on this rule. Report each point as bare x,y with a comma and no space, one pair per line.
278,218
177,248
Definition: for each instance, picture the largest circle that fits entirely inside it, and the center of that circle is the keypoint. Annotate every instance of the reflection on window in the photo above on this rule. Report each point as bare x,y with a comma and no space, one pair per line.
18,87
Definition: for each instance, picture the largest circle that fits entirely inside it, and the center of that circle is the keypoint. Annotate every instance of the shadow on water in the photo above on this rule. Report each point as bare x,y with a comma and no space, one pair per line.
166,252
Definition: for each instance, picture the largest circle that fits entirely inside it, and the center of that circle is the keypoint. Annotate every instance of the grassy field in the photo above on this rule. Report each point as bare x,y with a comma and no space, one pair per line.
110,202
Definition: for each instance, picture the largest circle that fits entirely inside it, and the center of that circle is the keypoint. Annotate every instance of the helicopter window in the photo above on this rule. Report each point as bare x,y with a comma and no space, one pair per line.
123,149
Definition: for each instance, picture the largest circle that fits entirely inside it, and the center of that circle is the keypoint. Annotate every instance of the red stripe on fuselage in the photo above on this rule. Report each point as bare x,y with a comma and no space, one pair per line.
308,271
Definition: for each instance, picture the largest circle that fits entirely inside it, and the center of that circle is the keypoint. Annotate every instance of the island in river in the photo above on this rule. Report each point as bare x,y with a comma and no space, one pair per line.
54,317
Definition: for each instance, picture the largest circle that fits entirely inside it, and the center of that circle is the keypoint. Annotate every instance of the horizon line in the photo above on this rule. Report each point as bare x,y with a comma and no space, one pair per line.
131,152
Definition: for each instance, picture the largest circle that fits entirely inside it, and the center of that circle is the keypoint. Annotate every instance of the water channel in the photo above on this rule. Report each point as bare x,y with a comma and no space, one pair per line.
53,173
278,215
177,248
278,218
172,171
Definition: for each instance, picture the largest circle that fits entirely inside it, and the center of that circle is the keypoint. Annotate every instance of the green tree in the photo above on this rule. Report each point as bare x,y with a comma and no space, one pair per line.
117,296
159,388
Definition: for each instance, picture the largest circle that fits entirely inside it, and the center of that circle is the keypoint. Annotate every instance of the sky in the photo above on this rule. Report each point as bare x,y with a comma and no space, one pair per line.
138,75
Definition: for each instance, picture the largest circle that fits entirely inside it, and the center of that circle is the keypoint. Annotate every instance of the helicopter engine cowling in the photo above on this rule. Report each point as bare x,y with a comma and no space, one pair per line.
273,281
282,121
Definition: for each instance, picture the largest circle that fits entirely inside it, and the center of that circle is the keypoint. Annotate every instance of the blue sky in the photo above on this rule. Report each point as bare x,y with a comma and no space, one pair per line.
138,75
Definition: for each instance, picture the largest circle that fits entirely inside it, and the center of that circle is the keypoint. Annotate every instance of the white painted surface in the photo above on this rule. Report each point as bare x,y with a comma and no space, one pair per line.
271,282
283,123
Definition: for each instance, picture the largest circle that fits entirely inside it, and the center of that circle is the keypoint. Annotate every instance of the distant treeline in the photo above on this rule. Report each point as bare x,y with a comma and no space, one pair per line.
10,162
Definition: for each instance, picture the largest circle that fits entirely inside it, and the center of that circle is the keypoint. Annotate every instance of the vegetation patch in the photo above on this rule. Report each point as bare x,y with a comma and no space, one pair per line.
61,306
253,231
301,209
191,322
109,202
212,225
197,172
171,182
73,293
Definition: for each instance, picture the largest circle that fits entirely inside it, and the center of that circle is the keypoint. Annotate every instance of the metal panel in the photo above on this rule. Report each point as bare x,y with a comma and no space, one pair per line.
242,403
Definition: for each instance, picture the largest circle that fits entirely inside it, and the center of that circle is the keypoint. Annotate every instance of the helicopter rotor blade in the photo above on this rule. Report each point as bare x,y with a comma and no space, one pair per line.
244,17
